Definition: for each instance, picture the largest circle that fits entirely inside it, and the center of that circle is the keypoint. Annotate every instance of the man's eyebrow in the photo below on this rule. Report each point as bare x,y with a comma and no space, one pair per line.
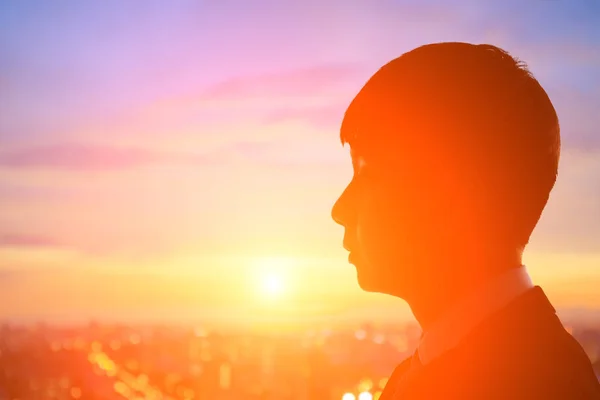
354,158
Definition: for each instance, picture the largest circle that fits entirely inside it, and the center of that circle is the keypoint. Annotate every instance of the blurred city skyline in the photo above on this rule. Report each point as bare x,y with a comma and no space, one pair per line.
183,362
182,159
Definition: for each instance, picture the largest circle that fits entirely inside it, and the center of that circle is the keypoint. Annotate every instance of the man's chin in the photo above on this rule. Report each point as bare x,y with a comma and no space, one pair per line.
369,282
381,283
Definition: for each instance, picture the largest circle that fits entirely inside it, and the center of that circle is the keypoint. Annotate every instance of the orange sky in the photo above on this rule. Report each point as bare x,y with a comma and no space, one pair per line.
168,164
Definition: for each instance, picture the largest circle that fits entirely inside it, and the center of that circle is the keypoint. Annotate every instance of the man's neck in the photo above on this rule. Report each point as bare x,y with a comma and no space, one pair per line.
429,305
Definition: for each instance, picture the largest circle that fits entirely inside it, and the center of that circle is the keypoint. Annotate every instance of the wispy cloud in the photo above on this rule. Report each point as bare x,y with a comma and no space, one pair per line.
305,81
20,240
254,99
22,192
73,156
70,157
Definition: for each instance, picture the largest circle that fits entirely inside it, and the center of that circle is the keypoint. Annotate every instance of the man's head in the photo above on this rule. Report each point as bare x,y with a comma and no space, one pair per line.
455,150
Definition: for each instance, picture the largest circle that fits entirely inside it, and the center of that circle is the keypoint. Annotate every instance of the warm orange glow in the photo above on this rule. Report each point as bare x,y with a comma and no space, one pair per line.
184,204
225,376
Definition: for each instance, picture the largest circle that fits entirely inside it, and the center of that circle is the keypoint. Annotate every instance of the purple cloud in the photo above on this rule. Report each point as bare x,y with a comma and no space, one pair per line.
77,157
70,156
19,240
305,81
28,192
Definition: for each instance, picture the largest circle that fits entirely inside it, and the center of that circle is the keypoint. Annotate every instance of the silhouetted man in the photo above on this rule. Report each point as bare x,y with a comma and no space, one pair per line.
455,150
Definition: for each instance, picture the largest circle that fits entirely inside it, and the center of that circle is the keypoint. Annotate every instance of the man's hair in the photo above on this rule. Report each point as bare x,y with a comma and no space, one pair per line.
480,109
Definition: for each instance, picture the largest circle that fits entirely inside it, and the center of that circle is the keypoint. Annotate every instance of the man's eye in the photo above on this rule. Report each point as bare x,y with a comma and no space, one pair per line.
365,176
367,172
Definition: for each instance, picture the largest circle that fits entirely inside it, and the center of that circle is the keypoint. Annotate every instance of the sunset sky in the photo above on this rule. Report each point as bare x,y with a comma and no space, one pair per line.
170,159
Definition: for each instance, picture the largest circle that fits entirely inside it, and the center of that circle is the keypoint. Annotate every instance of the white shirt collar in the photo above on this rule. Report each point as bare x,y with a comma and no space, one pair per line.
467,313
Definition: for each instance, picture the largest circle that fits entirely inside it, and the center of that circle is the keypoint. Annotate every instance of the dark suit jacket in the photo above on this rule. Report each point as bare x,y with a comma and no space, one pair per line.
521,352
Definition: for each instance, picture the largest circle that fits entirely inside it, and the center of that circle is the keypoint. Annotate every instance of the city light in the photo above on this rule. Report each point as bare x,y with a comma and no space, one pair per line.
365,385
365,396
75,392
159,363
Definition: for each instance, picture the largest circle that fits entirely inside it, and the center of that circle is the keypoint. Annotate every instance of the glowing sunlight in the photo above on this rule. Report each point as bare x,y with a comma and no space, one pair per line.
272,285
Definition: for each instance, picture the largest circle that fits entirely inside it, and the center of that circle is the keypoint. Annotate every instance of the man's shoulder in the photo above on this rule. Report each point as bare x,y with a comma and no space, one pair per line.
524,349
515,367
522,352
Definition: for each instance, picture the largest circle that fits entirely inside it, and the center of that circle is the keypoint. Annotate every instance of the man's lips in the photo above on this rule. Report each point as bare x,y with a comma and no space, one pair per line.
348,245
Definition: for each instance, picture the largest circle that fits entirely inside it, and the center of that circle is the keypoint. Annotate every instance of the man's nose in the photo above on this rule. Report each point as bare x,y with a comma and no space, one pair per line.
341,210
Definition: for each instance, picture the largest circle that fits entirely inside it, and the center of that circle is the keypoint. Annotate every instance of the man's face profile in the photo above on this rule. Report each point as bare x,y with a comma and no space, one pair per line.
382,213
455,150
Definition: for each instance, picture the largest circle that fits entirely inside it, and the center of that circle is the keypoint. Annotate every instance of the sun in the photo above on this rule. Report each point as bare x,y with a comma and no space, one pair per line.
272,284
273,276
